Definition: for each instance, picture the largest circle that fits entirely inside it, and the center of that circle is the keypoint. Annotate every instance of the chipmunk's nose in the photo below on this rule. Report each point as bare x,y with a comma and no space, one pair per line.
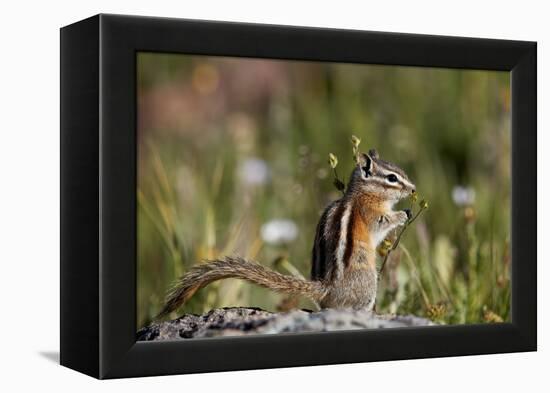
413,190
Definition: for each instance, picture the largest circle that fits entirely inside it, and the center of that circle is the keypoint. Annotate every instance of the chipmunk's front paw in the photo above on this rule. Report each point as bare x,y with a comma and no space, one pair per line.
403,216
408,212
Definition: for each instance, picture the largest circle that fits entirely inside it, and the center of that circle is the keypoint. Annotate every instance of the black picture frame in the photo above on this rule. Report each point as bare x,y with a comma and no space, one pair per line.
98,195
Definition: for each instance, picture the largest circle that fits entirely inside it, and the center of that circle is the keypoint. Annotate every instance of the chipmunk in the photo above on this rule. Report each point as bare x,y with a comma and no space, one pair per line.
343,272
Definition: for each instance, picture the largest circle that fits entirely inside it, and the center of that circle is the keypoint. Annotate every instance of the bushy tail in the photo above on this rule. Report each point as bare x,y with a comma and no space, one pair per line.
235,267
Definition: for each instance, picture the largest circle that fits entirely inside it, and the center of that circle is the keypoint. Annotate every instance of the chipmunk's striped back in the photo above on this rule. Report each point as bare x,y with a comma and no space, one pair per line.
330,242
340,227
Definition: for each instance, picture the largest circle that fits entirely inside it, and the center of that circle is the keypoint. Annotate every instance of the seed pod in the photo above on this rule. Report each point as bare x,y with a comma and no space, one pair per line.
332,160
355,141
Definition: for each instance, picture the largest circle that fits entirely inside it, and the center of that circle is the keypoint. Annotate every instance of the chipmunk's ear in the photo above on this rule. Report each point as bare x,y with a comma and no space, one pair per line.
365,162
373,153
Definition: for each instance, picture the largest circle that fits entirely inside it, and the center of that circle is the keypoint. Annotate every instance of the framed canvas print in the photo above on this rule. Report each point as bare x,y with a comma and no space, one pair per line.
296,196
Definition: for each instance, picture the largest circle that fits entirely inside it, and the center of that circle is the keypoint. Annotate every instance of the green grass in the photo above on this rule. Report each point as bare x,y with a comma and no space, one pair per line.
200,118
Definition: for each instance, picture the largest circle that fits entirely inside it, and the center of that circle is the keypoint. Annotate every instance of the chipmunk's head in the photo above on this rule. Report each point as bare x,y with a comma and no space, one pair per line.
380,178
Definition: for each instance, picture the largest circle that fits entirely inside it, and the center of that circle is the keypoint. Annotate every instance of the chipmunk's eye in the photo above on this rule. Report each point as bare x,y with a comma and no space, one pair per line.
392,178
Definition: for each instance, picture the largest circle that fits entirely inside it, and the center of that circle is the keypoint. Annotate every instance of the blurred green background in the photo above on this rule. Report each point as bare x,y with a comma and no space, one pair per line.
233,160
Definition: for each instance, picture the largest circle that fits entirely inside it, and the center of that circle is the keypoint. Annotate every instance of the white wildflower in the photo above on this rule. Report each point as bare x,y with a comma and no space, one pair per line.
253,171
463,196
279,231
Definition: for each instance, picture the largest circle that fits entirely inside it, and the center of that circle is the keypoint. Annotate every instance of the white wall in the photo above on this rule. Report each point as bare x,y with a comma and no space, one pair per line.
29,184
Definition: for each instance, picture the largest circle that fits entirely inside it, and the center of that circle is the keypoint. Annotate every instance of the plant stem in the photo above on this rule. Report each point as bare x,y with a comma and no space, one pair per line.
337,178
396,243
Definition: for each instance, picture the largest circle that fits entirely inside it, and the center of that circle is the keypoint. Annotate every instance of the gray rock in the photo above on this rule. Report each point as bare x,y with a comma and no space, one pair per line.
239,321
